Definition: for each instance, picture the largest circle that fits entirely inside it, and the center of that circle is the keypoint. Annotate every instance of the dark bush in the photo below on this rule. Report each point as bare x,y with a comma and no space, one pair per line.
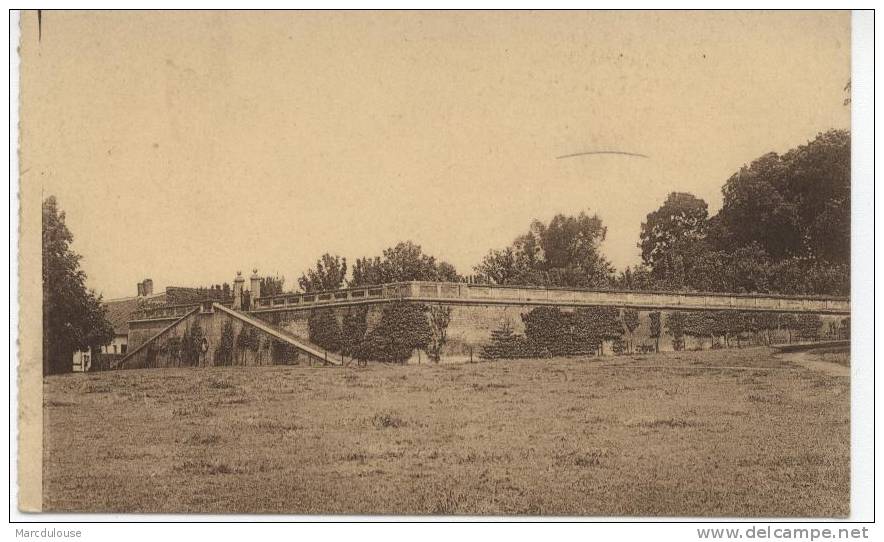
596,325
324,329
550,331
224,351
191,345
654,319
403,328
675,326
808,326
505,344
353,330
247,340
282,353
151,355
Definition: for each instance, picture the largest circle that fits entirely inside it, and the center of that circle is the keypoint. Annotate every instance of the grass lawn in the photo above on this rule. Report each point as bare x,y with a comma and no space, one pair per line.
717,433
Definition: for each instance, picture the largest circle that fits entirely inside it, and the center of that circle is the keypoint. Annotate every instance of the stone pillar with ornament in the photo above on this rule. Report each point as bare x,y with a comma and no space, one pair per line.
238,283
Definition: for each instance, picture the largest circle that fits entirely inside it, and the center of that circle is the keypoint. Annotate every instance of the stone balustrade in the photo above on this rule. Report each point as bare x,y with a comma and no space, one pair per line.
444,292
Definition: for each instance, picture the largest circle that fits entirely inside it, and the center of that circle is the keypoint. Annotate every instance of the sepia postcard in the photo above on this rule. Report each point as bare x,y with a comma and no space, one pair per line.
436,263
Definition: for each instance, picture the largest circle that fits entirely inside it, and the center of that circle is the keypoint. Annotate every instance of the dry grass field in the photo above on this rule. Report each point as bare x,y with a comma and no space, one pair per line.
721,433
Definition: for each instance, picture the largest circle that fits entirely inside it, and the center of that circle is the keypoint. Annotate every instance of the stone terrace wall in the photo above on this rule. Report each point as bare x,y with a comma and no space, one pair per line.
471,325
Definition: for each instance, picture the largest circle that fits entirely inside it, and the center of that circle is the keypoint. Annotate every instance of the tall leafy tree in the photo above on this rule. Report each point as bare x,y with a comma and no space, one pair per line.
746,269
566,252
73,317
672,238
794,205
757,208
328,274
638,277
499,267
272,285
403,262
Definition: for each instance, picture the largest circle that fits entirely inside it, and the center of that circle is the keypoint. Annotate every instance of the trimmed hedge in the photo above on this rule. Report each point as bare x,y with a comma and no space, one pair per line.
551,332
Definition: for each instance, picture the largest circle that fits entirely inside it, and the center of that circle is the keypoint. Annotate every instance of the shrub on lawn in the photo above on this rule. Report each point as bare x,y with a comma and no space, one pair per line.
505,344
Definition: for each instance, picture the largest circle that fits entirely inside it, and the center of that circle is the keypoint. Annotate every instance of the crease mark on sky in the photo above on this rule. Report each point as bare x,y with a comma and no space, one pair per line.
587,153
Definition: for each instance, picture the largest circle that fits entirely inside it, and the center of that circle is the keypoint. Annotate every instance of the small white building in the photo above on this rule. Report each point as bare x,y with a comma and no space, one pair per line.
119,312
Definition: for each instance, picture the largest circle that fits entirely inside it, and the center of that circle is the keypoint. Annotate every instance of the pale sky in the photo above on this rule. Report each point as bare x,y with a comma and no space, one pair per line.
187,146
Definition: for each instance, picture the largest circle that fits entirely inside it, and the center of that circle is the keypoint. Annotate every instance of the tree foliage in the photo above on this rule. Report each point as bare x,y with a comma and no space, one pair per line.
655,328
784,227
565,252
401,263
403,328
324,329
247,340
808,326
353,330
224,350
272,285
282,353
191,344
672,237
328,274
794,205
630,323
73,316
675,327
637,277
440,317
549,331
506,344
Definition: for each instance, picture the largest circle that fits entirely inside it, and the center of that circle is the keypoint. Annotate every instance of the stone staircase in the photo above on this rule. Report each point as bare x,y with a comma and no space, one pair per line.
314,352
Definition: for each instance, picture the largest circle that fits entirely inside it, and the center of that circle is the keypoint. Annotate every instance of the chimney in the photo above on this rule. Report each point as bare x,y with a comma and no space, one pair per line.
237,290
148,287
255,292
140,289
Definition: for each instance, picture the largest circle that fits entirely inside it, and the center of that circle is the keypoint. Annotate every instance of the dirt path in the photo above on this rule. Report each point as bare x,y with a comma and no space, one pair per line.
809,361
